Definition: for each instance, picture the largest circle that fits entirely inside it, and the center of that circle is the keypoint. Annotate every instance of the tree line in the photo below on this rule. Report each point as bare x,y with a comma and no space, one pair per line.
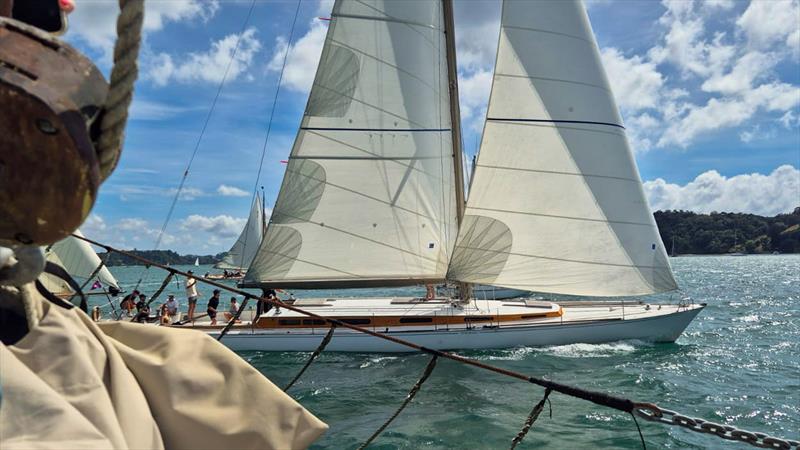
683,232
720,233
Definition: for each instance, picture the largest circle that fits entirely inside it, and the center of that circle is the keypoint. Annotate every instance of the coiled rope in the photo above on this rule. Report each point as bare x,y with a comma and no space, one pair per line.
648,411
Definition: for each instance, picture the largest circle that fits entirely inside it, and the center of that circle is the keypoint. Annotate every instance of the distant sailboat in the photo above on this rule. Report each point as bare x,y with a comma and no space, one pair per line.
197,261
246,246
373,193
79,259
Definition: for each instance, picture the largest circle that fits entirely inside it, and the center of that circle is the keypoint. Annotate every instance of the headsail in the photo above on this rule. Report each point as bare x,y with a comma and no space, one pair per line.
368,194
79,259
244,250
556,203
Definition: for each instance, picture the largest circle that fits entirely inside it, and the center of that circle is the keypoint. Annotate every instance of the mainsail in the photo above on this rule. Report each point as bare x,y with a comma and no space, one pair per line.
556,203
368,197
79,259
244,250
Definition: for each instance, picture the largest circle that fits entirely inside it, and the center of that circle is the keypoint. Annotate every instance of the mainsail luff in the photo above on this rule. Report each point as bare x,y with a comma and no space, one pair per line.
368,195
556,203
245,248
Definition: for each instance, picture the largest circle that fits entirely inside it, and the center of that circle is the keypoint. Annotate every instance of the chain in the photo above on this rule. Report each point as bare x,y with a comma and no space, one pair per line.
654,413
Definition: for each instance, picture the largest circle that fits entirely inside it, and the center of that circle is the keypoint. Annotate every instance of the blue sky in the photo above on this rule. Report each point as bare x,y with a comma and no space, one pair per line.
708,91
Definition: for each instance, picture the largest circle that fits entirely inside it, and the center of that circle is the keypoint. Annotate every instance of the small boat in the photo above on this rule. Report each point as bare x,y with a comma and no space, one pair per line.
373,194
197,261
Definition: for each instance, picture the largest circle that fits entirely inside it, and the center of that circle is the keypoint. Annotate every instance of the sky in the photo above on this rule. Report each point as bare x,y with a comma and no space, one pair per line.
709,93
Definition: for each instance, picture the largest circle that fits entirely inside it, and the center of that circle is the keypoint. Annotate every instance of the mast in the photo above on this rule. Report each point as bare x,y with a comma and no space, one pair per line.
465,289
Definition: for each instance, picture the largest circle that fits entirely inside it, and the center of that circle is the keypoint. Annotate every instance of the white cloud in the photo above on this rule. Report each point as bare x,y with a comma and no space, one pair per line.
151,110
304,54
211,65
231,191
473,92
747,69
756,193
132,224
93,225
771,22
722,113
635,81
220,226
94,22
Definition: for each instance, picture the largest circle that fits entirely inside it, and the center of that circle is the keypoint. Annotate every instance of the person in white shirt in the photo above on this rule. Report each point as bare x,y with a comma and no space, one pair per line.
191,294
172,307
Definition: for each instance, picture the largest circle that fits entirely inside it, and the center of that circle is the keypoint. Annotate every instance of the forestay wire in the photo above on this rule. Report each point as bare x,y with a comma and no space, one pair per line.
647,411
269,122
200,137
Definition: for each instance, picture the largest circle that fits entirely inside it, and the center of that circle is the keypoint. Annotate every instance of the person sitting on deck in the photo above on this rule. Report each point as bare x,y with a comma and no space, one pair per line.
213,304
128,302
165,318
191,294
231,313
171,307
430,292
143,309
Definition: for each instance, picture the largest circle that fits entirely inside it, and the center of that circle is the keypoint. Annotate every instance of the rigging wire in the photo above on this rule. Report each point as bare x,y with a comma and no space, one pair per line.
200,137
269,122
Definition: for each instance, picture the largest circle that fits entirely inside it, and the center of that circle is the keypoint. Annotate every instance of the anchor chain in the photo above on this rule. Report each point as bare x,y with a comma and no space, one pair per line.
654,413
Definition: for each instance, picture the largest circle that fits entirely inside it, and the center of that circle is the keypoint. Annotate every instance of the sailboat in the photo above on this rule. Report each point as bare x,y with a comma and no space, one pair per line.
197,261
79,259
373,194
244,249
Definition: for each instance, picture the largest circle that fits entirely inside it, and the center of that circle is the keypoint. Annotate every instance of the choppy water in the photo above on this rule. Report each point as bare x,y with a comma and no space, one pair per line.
738,363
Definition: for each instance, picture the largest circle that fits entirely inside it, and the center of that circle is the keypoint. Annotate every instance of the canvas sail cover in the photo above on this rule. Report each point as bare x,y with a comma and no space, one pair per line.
244,250
368,196
556,203
79,259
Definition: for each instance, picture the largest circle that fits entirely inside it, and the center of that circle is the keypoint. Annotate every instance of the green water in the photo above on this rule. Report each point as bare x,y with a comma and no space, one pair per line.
738,363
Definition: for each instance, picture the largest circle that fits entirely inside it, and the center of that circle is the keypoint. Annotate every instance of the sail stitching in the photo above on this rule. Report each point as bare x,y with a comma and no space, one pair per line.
385,19
354,148
556,121
539,30
562,217
555,172
553,258
560,80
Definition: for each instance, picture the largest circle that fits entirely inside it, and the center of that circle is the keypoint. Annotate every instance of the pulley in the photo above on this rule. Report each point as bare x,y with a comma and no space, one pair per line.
51,98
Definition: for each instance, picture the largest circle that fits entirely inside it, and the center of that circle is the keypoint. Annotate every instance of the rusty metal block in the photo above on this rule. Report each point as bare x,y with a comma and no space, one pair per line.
50,95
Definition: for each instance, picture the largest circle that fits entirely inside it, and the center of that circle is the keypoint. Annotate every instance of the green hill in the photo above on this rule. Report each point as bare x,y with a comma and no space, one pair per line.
718,233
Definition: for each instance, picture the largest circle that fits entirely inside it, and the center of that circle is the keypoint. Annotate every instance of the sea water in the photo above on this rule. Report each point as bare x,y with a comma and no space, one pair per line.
738,363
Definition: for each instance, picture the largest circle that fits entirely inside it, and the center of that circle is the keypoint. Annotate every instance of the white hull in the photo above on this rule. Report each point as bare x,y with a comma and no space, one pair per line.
592,323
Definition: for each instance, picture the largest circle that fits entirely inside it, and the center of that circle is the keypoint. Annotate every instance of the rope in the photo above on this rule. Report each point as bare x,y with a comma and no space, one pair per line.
120,89
314,355
648,411
411,394
531,418
161,288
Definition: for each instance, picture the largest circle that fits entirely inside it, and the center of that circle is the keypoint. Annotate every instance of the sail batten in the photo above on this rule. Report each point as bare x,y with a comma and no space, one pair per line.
556,202
368,193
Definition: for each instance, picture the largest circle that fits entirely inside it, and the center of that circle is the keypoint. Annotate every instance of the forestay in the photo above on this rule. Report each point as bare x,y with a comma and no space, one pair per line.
368,194
244,250
79,259
556,203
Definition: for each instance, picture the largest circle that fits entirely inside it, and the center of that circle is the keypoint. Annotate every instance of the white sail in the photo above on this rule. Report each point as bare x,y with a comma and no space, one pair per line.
197,261
244,249
368,194
556,203
79,259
